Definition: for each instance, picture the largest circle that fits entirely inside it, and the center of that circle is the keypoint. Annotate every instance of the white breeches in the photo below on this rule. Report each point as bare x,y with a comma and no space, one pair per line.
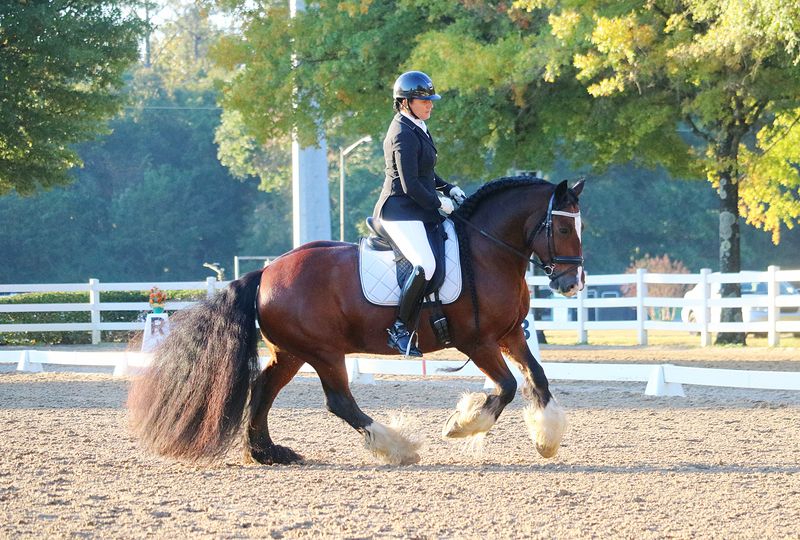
412,241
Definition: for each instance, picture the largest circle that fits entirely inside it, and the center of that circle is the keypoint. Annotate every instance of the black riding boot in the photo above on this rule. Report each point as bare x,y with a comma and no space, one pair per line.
411,296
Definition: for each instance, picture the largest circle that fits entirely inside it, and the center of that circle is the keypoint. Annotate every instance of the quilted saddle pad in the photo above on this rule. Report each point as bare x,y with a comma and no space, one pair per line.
379,277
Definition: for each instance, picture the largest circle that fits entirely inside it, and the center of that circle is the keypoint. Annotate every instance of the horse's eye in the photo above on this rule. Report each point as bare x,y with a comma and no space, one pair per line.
563,230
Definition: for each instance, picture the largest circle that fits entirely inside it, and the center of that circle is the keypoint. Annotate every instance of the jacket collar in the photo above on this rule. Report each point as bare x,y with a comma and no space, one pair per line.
420,133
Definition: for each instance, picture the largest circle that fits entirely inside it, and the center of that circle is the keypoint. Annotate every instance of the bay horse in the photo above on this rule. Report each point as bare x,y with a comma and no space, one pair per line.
190,403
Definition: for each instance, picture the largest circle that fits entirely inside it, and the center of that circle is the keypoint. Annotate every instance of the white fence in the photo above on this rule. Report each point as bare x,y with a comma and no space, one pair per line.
661,379
581,306
94,306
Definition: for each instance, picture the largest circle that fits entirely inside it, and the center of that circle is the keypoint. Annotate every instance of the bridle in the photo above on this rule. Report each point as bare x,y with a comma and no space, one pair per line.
547,226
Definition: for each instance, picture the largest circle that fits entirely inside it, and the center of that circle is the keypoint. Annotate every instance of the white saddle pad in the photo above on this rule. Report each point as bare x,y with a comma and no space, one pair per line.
379,276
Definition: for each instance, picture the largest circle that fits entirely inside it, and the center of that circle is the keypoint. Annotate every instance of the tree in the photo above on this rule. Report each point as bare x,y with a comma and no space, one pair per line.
728,71
683,87
62,63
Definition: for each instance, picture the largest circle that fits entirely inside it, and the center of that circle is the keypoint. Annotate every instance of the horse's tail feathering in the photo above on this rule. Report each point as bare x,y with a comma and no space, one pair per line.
190,402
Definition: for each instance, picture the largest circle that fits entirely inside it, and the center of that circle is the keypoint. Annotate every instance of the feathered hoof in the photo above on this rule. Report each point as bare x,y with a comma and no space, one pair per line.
470,418
272,455
546,427
395,444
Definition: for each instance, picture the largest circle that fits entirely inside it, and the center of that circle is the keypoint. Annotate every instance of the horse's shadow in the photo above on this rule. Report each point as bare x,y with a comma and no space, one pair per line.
539,469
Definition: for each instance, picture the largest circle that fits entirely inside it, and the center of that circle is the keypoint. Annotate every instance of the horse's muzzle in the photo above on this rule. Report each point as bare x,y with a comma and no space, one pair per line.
569,284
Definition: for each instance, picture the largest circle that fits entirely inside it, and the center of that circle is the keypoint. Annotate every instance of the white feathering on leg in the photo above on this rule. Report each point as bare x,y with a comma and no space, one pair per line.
471,417
546,426
395,444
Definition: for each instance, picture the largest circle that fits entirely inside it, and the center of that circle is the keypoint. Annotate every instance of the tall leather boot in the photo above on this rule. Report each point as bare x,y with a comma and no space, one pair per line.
400,333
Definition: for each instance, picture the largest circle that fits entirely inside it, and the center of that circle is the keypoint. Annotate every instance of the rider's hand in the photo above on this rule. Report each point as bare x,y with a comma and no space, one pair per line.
447,205
458,195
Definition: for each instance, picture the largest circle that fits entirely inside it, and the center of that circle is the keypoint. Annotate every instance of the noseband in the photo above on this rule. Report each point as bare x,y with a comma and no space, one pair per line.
547,226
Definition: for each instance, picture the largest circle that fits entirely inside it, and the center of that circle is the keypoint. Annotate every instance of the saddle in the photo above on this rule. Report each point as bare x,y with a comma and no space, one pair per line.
383,269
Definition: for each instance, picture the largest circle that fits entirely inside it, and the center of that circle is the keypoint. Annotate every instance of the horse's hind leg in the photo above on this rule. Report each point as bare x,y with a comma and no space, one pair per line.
258,444
477,412
545,418
388,443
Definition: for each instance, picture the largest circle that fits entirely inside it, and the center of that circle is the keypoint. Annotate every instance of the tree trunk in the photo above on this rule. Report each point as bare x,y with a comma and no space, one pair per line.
729,250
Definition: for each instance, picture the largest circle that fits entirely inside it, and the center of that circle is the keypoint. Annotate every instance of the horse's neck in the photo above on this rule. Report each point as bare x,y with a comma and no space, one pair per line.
505,217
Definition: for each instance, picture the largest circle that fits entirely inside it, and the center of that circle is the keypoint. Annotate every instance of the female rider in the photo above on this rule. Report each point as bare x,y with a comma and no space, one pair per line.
409,203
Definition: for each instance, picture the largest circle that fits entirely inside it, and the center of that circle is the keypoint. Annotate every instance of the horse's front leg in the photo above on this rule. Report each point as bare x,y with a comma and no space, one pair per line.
545,418
389,443
477,412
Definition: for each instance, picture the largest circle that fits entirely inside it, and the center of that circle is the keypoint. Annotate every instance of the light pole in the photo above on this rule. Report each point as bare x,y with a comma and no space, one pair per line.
342,154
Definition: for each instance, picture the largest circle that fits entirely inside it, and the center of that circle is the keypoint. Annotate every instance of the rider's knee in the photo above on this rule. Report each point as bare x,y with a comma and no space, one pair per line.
428,265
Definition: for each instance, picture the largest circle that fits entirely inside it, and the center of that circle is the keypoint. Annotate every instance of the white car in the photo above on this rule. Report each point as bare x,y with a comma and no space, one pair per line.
749,314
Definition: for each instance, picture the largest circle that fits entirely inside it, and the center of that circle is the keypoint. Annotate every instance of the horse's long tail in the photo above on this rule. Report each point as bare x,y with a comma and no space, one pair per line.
190,402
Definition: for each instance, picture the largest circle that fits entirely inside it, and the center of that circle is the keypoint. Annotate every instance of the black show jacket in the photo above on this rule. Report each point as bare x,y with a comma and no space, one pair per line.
410,186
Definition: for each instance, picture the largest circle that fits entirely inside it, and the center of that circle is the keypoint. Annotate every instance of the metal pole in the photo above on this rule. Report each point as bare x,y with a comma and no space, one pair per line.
311,212
342,154
341,195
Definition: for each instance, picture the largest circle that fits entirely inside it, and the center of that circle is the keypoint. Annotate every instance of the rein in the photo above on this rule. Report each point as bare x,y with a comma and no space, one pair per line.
547,225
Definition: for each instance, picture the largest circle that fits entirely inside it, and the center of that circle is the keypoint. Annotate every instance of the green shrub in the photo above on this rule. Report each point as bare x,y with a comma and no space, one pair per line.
83,337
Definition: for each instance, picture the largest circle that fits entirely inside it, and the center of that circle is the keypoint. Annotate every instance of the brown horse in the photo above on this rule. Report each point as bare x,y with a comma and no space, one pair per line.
310,309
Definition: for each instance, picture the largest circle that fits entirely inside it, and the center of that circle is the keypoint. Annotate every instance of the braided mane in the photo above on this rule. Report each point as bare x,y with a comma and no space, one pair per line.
465,211
495,186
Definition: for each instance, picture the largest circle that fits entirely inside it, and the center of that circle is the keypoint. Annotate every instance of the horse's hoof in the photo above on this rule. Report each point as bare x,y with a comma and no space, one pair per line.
546,451
453,430
272,455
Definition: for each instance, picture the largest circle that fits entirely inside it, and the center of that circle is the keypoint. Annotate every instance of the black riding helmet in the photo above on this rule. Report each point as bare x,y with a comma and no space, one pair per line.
414,85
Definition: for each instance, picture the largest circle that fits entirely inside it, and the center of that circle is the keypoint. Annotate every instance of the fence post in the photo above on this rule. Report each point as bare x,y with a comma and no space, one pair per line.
94,300
211,288
705,335
773,290
581,316
641,313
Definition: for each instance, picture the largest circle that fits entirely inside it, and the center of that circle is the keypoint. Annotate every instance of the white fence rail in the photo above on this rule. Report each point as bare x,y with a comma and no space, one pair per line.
94,306
567,313
661,379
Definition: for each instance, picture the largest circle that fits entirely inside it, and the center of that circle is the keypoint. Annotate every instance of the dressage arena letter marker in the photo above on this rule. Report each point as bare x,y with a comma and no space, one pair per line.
156,328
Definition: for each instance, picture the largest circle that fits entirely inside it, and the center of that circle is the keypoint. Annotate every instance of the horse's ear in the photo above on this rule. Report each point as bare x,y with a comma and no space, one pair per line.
578,188
561,191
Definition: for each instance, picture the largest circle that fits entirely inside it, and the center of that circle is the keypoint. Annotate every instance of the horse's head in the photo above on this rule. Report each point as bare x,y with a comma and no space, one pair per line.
558,242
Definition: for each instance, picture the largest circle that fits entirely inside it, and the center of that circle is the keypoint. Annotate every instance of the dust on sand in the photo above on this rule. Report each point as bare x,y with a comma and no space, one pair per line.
719,463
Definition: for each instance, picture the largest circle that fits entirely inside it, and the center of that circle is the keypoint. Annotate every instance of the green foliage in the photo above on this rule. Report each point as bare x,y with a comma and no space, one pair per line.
151,203
770,189
62,317
152,200
62,65
729,70
595,83
629,212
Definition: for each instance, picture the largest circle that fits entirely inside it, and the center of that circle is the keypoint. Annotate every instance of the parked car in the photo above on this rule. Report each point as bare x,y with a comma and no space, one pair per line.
749,314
